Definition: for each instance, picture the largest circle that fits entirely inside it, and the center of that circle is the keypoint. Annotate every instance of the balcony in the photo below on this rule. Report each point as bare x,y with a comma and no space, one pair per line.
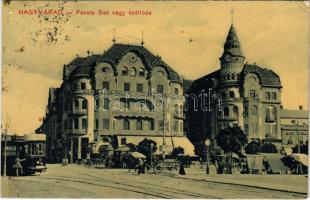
86,91
130,113
78,112
227,118
77,132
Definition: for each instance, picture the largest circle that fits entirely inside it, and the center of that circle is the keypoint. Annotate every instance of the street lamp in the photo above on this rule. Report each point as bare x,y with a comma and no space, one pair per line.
152,146
207,143
296,123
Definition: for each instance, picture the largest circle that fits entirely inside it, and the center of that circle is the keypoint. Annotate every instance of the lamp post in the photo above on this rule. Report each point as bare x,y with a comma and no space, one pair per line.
207,143
151,149
296,123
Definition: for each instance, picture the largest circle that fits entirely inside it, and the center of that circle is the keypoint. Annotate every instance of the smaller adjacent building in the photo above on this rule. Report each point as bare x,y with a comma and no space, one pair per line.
294,126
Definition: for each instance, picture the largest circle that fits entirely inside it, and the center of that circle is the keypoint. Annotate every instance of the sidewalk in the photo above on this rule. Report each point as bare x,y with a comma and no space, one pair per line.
288,183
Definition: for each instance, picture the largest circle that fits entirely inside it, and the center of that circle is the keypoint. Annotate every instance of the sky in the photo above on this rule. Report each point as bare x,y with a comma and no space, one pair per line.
35,47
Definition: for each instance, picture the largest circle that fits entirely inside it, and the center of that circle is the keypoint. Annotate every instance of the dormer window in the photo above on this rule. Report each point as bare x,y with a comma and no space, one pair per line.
124,71
105,69
141,72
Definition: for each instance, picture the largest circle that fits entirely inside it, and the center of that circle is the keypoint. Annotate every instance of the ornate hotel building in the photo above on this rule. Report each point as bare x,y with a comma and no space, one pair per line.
243,94
123,96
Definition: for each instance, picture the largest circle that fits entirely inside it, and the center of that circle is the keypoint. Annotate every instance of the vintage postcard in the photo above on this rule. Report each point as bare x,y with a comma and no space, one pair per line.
154,99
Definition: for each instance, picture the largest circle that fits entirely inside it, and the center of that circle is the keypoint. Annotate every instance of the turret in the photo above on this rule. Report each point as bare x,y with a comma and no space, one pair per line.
232,59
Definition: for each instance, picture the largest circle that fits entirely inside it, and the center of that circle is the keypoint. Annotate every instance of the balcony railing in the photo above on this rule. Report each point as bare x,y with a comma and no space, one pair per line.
78,112
77,132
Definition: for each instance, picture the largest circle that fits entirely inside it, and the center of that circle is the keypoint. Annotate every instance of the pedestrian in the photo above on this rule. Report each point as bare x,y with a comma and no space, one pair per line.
140,166
182,170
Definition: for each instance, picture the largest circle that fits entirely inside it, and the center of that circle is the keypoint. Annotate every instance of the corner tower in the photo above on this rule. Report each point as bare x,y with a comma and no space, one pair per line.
232,59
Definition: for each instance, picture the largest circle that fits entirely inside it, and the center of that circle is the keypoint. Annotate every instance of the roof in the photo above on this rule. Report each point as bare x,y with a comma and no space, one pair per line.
232,44
113,55
187,84
294,114
266,76
207,81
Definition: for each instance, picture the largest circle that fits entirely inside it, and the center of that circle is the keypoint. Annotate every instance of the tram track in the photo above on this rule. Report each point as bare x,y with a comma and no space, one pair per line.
121,184
215,184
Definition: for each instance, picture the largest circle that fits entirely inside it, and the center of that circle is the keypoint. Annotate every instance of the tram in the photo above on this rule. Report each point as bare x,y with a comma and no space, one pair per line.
24,155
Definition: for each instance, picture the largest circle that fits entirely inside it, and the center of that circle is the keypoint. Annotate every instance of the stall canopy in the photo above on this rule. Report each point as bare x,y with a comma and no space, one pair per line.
255,162
302,158
137,155
275,162
183,142
171,143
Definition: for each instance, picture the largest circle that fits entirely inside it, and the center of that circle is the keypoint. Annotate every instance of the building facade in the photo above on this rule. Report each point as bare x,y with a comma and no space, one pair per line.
294,126
238,93
122,96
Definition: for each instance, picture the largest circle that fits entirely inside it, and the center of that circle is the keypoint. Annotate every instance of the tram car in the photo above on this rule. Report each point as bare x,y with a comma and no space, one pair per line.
25,155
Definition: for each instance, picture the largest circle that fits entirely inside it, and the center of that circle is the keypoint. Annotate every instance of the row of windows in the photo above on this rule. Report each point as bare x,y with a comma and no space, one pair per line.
139,87
231,94
133,71
272,95
126,124
75,124
77,105
230,77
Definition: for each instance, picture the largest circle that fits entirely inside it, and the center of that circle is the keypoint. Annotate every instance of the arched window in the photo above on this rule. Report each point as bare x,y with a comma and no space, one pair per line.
235,111
84,104
124,71
151,124
233,76
226,111
270,113
106,69
274,96
76,104
141,72
126,124
139,124
132,71
268,95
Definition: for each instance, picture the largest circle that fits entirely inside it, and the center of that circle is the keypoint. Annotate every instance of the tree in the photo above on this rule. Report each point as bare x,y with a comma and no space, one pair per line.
253,147
131,147
231,139
201,150
144,147
269,148
177,151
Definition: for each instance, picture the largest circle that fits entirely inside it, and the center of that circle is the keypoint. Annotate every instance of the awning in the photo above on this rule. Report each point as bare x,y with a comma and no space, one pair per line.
288,151
137,155
123,149
100,144
302,158
183,142
157,139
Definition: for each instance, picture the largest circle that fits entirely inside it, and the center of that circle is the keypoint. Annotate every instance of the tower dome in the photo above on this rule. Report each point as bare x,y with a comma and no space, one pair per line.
232,59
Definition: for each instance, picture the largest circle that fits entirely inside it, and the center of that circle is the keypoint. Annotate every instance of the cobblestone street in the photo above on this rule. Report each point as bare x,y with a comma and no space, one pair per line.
75,181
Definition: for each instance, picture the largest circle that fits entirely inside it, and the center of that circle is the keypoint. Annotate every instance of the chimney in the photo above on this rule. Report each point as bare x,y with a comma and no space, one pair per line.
300,107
